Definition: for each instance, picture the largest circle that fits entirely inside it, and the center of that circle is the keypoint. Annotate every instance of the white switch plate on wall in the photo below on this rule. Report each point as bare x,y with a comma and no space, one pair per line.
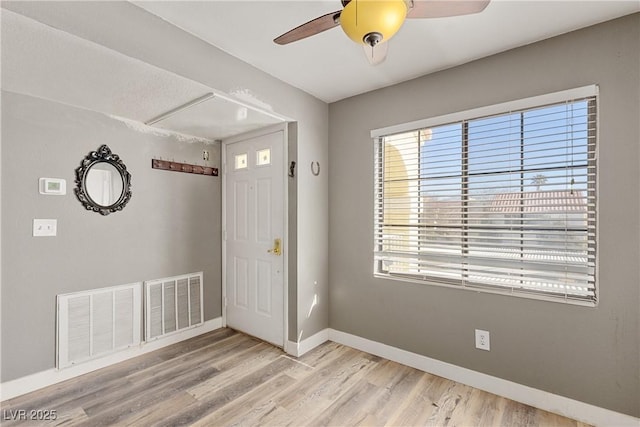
45,227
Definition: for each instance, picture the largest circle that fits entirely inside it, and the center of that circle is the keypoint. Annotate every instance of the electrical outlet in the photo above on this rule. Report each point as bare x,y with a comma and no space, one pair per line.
482,340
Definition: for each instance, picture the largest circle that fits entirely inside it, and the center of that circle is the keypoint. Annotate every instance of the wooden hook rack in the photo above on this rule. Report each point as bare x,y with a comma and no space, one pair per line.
183,167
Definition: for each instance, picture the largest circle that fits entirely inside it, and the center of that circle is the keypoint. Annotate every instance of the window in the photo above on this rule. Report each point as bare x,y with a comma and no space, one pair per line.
263,157
499,199
240,161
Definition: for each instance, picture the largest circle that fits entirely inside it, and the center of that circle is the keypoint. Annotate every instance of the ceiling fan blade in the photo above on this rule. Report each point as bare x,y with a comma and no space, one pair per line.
376,54
315,26
444,8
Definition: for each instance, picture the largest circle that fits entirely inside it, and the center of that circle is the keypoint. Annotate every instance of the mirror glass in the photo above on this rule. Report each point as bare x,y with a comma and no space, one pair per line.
104,184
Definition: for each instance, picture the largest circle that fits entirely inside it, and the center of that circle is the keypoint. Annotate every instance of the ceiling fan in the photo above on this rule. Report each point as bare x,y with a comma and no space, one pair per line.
372,23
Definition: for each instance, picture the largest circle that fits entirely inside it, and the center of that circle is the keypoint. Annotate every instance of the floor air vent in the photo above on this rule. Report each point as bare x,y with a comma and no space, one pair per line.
97,322
172,304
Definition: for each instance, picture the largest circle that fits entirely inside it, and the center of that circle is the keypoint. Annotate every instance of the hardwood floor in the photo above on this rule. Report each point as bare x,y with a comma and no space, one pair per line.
227,378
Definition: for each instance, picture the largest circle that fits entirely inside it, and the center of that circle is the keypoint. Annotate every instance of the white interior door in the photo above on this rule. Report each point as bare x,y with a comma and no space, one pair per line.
254,212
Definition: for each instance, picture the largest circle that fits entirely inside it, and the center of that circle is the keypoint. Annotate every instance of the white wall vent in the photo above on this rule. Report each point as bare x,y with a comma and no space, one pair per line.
173,304
97,322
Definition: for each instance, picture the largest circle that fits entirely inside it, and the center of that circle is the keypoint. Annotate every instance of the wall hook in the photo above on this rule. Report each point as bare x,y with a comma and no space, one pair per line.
315,168
292,167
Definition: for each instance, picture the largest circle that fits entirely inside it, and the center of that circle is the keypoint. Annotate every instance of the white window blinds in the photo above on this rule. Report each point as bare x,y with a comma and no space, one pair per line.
503,202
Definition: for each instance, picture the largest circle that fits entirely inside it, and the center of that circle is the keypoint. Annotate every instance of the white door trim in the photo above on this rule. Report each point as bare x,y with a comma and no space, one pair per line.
282,127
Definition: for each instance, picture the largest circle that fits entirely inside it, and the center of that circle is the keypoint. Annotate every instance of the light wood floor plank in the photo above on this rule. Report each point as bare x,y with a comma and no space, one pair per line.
393,392
350,408
420,403
250,408
312,397
255,359
155,413
225,378
211,403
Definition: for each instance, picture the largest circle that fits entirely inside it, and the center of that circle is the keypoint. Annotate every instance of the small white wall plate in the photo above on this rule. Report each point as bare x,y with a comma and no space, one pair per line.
45,227
53,186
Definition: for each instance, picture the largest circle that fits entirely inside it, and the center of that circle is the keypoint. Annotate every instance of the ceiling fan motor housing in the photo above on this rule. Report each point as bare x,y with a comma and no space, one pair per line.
372,21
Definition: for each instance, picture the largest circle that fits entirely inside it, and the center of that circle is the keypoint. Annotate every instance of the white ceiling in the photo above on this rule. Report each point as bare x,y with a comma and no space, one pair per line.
331,67
44,62
86,74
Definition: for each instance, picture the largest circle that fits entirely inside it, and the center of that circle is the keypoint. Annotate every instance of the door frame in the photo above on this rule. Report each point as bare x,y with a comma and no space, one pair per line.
281,127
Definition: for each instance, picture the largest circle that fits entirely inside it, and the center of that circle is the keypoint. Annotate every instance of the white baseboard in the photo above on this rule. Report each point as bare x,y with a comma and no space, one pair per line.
298,349
29,383
520,393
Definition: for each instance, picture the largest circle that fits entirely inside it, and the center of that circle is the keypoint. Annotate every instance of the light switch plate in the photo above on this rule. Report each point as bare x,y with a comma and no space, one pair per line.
45,227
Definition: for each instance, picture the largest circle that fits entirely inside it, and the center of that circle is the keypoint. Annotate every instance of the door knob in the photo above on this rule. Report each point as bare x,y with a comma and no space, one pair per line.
276,250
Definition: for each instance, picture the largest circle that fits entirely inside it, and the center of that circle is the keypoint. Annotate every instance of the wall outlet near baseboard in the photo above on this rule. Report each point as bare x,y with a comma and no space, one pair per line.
482,340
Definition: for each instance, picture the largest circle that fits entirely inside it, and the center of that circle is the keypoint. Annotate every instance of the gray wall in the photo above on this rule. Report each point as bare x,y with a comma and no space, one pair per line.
170,226
589,354
292,255
152,40
146,37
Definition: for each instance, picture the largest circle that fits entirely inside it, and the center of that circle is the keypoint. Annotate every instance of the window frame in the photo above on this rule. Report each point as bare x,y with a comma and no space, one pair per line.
590,91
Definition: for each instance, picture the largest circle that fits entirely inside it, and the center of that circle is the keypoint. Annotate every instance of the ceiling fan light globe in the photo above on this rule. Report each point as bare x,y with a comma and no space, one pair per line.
360,18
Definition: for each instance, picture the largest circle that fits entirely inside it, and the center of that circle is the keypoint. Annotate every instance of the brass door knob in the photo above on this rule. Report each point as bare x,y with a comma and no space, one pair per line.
277,247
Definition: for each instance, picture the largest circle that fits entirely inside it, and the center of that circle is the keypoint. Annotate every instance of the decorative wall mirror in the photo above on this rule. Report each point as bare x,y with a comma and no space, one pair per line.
103,183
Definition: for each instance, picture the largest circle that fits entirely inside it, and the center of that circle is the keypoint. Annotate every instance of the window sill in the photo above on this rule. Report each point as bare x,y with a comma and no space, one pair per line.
506,292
